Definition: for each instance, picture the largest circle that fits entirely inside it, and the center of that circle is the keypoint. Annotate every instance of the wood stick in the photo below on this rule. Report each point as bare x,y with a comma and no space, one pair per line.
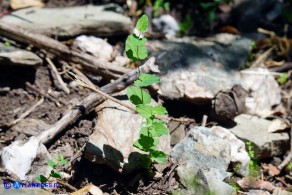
67,67
59,79
204,120
57,49
65,184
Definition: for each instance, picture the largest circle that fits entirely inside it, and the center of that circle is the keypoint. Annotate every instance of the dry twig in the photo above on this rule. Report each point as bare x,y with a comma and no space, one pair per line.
77,72
66,185
57,76
204,120
58,49
161,117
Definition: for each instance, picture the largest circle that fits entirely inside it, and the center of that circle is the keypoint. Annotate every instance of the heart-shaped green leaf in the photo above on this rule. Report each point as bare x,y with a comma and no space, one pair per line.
144,110
145,143
56,174
135,48
52,164
158,156
159,110
41,179
159,130
142,24
138,96
145,80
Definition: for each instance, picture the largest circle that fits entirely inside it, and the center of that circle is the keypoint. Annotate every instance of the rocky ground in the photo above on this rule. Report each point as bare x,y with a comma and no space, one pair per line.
226,86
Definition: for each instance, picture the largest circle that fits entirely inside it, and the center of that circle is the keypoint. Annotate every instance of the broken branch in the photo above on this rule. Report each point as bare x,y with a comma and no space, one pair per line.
57,49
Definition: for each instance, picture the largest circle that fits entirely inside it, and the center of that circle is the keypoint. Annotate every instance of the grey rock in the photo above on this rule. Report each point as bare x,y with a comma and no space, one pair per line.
71,21
195,70
167,24
177,132
265,91
20,57
40,164
116,130
26,159
279,191
4,48
255,130
203,160
95,46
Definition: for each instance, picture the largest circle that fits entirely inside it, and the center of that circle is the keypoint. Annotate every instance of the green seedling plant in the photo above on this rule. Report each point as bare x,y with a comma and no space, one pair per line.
7,44
186,25
211,6
152,129
283,78
54,173
159,6
254,164
289,166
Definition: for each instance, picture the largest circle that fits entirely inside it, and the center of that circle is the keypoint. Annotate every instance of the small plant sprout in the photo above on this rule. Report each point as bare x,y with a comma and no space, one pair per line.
159,6
152,129
54,173
141,27
254,167
283,78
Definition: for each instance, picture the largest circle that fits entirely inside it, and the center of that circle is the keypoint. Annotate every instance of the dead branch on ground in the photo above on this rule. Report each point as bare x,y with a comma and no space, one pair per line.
58,49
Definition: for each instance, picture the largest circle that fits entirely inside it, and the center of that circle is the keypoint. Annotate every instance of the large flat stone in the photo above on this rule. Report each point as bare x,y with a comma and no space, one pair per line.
10,55
71,21
255,129
195,70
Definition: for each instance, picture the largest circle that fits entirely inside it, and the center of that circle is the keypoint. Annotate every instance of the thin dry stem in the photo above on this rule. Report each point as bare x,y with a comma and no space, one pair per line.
58,77
160,117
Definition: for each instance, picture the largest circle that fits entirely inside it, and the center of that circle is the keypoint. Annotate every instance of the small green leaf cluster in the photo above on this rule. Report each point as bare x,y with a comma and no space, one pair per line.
289,167
185,25
135,43
54,173
159,6
152,129
254,167
283,78
210,6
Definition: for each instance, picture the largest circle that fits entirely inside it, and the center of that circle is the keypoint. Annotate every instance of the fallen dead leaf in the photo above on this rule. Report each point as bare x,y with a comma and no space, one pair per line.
92,189
271,169
247,183
18,4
